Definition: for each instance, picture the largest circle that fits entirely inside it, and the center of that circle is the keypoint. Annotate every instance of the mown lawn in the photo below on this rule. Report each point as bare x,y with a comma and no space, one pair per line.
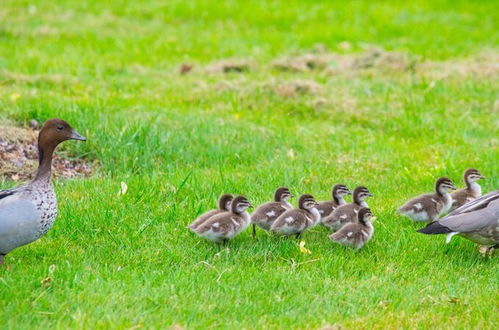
111,68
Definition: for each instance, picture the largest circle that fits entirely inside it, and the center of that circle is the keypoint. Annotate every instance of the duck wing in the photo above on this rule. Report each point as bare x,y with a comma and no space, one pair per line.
477,204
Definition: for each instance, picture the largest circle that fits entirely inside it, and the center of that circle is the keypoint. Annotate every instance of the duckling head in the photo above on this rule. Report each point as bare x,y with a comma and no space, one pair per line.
472,175
224,202
340,191
365,215
444,185
307,202
240,204
360,194
282,194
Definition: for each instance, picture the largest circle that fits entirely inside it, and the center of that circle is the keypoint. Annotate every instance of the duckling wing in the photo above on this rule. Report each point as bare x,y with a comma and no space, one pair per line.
295,219
352,234
326,208
460,198
203,217
268,212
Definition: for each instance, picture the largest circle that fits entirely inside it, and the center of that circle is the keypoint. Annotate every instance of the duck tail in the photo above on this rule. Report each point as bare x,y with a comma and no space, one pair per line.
435,228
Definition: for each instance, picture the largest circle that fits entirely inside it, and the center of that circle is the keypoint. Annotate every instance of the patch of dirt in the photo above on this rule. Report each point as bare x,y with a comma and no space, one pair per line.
336,63
228,66
295,88
19,156
302,63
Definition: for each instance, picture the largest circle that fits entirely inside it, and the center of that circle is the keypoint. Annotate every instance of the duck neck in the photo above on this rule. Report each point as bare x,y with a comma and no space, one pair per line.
44,171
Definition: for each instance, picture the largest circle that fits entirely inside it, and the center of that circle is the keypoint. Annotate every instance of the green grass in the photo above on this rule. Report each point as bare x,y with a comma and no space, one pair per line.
111,70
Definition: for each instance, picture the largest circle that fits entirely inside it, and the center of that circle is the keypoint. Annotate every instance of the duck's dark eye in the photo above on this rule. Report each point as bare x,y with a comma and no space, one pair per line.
60,127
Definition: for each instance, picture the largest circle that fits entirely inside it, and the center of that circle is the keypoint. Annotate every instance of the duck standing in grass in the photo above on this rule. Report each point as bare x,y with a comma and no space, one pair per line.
429,207
347,213
28,212
265,214
338,194
356,234
472,190
296,221
225,226
477,221
223,206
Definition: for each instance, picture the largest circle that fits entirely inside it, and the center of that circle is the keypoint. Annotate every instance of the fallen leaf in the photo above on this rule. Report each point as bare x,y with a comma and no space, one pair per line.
303,249
124,189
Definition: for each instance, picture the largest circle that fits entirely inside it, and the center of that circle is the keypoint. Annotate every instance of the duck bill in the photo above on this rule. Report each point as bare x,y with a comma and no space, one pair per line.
76,136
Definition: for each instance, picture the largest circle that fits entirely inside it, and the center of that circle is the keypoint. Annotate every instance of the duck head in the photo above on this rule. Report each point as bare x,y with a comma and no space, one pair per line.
53,132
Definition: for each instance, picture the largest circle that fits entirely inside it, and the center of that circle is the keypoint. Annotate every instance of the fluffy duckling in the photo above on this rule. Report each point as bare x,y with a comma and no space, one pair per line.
477,221
223,227
472,190
223,206
265,215
356,234
348,212
296,221
28,212
429,207
339,192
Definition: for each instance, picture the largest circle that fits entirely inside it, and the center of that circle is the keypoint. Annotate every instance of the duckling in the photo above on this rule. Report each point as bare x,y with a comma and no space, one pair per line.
477,221
225,226
296,221
339,192
265,214
28,212
472,190
356,234
348,212
223,206
429,207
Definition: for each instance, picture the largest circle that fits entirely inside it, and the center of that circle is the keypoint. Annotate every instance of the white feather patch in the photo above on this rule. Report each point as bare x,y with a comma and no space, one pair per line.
270,214
289,219
449,237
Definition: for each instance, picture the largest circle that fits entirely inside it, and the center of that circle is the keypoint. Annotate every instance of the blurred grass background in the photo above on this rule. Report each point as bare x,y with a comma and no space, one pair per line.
112,69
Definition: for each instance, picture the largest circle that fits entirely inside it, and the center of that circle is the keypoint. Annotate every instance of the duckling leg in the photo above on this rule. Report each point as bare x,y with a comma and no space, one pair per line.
2,258
254,230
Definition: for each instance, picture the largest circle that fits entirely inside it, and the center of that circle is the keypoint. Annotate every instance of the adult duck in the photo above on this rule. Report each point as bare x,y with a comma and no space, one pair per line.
28,212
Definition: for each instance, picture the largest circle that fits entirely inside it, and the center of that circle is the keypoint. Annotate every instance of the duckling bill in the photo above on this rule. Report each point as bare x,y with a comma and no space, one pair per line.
28,212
